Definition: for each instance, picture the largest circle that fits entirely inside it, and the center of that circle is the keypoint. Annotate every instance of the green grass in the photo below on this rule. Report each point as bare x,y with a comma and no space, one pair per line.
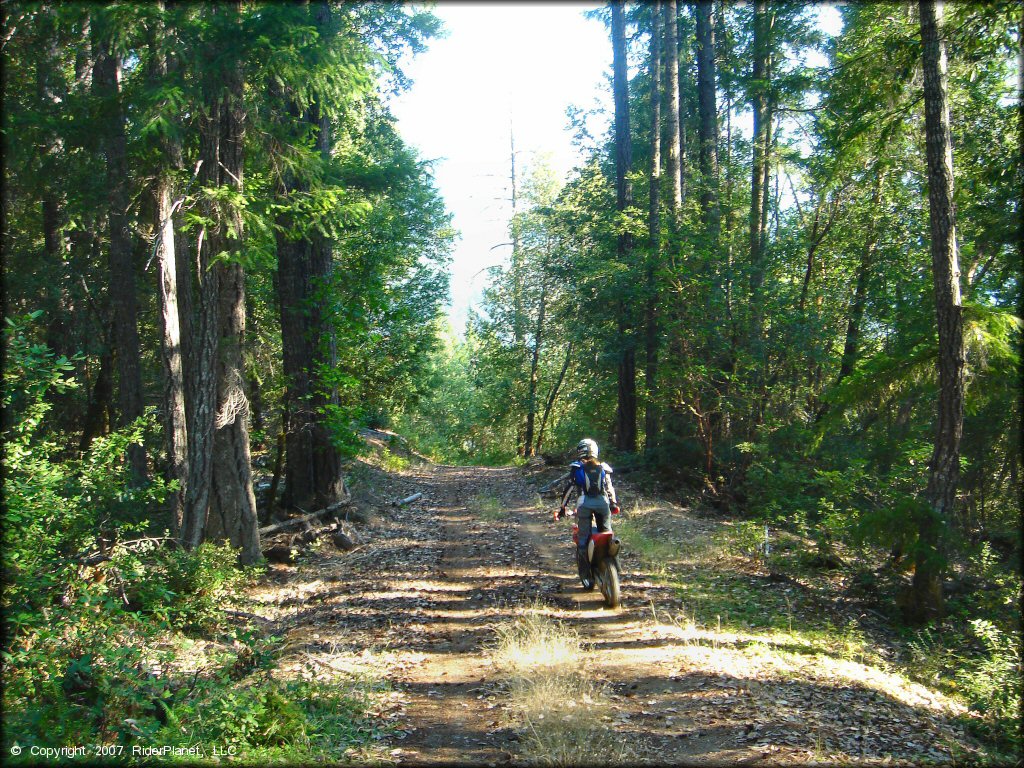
973,662
719,597
392,462
557,709
488,508
656,551
239,707
187,681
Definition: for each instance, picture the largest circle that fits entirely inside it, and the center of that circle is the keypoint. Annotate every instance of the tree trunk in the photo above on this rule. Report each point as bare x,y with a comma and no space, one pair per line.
654,238
926,591
759,104
707,160
675,167
625,422
517,259
760,98
860,294
219,500
123,300
313,476
329,482
293,272
185,282
766,165
708,126
552,397
232,514
50,93
531,407
202,381
232,503
175,430
97,414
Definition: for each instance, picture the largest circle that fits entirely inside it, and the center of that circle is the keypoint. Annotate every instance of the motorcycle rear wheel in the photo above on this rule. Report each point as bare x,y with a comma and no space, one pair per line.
583,568
610,582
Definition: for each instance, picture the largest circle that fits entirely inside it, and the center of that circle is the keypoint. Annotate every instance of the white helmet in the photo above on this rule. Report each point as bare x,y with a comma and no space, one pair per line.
586,449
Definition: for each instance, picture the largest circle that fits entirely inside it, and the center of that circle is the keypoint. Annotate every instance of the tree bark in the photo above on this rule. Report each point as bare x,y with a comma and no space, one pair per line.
50,93
552,397
531,401
220,504
926,590
760,160
329,484
202,379
97,414
202,382
293,272
313,476
761,101
175,430
625,422
124,304
708,126
232,503
851,347
232,514
651,425
517,259
675,168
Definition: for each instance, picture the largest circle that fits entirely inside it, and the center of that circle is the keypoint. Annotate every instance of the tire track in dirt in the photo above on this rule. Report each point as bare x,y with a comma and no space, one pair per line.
434,579
447,704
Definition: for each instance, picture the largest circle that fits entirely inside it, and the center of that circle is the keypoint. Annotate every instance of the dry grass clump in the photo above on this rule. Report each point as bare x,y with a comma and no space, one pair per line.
553,702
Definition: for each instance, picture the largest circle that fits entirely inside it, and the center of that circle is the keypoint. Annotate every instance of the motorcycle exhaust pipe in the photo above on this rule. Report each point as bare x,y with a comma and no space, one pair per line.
613,547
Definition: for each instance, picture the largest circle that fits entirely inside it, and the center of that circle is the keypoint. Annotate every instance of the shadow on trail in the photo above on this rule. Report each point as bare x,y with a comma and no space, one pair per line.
816,717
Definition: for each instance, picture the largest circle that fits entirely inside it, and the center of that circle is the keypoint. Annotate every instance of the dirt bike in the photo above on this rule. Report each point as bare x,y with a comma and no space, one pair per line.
599,566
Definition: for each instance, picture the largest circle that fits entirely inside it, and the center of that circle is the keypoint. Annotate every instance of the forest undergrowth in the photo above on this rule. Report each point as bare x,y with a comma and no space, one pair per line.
117,641
804,332
121,640
769,589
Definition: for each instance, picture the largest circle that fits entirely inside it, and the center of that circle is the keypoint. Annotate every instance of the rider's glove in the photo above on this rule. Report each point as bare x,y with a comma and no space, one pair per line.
615,509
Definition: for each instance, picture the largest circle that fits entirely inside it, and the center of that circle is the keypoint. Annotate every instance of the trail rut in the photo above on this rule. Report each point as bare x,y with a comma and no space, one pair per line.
432,581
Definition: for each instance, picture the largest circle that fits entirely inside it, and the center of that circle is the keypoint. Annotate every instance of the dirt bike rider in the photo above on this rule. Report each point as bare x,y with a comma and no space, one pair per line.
592,481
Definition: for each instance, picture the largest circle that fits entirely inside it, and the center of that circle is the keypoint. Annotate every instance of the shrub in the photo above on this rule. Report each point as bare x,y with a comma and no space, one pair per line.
992,684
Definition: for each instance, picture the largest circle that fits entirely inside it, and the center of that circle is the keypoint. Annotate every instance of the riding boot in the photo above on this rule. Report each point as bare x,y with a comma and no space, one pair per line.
583,564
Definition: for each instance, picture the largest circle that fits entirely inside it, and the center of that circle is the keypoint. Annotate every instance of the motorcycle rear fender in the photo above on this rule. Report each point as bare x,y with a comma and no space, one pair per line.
601,539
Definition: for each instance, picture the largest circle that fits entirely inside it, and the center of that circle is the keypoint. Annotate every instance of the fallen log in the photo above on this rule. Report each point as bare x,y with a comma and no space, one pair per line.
286,549
311,535
407,500
107,551
553,483
268,529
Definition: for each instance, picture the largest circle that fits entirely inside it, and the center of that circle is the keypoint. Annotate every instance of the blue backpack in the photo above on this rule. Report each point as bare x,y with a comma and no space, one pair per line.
589,478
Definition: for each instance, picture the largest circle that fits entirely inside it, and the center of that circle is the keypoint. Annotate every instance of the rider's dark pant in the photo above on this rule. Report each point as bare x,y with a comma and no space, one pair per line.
591,508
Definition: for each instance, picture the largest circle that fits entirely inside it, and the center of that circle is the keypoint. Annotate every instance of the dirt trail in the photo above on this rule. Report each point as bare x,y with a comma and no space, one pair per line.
433,580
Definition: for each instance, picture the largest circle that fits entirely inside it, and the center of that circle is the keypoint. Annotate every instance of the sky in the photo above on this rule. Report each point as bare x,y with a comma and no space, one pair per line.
502,67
